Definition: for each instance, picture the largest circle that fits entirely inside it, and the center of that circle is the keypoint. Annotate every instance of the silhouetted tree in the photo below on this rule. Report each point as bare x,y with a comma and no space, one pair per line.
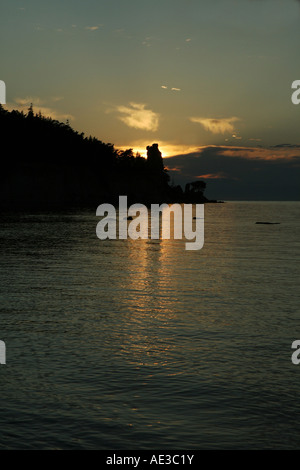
30,113
194,191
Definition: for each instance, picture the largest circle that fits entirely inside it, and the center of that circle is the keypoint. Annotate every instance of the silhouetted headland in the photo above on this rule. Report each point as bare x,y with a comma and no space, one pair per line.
49,165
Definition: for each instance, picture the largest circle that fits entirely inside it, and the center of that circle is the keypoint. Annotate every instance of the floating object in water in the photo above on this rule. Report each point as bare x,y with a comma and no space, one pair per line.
268,223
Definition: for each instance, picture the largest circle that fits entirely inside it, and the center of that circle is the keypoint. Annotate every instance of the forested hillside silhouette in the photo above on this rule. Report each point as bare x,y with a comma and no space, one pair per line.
47,164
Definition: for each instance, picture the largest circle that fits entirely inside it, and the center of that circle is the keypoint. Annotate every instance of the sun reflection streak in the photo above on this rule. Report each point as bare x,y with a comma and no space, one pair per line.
151,301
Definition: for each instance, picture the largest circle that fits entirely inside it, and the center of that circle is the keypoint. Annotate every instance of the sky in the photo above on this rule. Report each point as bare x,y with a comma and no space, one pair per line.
209,81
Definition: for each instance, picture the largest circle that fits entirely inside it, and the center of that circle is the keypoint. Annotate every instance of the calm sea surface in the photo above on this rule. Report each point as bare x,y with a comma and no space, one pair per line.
139,345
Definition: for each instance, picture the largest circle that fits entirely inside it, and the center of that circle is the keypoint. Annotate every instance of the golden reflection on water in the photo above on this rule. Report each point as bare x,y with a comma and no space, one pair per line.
151,301
160,282
167,293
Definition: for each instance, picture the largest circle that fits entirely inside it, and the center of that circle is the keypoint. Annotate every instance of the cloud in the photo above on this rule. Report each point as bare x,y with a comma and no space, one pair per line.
216,126
213,176
137,116
172,89
28,100
237,137
148,41
57,98
92,28
278,152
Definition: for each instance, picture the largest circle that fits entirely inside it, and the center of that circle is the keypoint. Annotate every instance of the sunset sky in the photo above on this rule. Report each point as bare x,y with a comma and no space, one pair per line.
210,81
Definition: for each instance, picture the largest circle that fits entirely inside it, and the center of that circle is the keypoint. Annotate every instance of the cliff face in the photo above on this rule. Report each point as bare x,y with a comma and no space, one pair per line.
51,165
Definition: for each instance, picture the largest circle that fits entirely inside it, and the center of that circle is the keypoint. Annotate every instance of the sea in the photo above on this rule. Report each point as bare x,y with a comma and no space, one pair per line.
144,345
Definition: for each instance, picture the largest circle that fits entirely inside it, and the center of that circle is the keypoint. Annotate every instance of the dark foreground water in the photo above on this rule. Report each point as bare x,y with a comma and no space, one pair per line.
139,345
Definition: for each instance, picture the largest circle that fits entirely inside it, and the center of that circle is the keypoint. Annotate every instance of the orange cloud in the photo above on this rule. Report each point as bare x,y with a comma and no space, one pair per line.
277,152
212,176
